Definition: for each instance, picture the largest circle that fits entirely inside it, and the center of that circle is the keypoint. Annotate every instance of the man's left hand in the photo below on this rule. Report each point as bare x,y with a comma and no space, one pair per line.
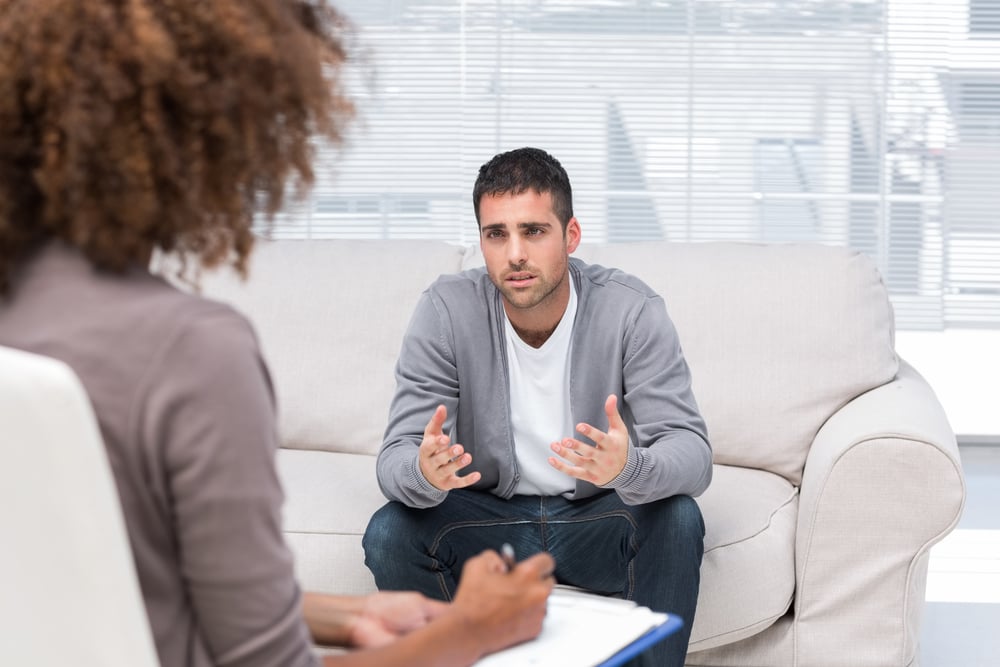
595,464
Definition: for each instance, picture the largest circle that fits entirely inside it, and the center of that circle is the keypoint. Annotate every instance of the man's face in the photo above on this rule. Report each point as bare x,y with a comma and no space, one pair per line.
526,251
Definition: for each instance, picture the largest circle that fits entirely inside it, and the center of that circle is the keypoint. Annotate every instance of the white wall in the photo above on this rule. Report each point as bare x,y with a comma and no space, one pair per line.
963,367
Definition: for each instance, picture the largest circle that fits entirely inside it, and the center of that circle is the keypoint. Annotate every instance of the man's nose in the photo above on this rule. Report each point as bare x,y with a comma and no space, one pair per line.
516,251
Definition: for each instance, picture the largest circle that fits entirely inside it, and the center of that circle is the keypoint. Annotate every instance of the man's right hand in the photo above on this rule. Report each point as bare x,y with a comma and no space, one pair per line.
439,460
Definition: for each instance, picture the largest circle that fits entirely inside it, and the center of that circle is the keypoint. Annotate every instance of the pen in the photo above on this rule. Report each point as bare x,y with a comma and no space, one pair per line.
507,553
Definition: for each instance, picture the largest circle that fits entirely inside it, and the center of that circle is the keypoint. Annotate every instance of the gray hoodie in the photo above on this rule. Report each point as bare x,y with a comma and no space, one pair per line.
454,353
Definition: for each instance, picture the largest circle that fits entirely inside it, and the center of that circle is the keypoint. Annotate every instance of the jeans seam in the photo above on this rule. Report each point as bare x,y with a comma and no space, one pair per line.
439,569
457,526
474,524
606,515
543,525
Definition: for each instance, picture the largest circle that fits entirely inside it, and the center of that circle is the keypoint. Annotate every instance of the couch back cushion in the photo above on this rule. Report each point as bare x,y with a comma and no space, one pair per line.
778,337
331,316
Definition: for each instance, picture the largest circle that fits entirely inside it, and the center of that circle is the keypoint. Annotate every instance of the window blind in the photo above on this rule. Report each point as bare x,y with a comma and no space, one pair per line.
868,123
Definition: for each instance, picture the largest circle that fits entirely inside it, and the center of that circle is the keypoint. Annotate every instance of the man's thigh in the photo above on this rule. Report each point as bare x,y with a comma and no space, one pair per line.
594,542
468,522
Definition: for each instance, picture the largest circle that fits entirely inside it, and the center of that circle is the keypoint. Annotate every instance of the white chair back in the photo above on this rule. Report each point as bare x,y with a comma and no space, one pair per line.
69,594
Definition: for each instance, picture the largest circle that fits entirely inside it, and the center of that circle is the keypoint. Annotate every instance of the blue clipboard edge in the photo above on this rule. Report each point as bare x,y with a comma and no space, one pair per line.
657,634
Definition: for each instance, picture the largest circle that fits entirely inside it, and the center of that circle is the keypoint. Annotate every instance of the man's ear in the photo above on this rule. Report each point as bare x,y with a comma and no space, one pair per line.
573,235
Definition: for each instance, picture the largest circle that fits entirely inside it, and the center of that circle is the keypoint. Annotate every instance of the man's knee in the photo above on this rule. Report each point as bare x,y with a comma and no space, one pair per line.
385,530
685,517
675,521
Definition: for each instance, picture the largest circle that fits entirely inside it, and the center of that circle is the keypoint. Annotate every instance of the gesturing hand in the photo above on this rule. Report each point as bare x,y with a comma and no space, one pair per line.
440,463
597,465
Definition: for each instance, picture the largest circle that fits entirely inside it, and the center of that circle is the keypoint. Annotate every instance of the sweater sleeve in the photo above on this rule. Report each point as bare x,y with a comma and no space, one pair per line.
210,412
672,455
426,376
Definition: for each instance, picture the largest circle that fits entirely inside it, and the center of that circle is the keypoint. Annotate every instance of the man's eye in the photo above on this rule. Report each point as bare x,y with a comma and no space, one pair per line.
534,231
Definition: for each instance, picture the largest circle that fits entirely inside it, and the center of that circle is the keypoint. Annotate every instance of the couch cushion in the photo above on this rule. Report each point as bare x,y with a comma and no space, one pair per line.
748,572
331,316
778,337
329,499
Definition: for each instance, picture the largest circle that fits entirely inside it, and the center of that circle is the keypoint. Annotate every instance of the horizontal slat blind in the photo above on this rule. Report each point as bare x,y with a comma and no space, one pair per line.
868,123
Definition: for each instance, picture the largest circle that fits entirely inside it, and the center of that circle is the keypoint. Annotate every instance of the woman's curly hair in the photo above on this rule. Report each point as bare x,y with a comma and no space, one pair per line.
133,125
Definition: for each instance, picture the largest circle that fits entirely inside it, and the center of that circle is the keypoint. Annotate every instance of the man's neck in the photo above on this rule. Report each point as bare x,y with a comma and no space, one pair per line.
534,337
536,325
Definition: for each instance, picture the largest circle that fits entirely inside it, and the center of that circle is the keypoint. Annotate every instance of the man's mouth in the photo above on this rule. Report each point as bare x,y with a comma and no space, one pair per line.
519,279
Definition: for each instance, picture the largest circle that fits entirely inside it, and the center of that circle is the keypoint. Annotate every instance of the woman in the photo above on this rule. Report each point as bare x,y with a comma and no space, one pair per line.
130,126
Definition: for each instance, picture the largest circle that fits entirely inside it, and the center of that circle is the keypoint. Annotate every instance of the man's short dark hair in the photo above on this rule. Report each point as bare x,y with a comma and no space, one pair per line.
516,171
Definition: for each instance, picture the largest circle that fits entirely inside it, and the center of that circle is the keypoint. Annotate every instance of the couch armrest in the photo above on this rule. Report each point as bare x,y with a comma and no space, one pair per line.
882,483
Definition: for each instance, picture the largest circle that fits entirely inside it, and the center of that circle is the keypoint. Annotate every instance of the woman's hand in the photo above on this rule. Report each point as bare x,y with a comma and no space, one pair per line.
386,616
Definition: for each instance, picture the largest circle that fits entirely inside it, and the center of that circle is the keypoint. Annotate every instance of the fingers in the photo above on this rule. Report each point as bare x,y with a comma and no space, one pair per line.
504,608
439,460
435,442
534,577
615,423
453,457
573,450
434,608
486,561
460,482
598,464
571,463
574,455
539,566
436,422
562,466
611,410
589,431
442,469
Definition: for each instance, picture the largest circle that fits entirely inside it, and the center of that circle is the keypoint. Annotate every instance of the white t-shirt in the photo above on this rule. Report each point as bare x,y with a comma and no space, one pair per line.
539,403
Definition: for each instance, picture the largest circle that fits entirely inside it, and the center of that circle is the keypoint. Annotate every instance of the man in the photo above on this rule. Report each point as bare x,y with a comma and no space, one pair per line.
512,360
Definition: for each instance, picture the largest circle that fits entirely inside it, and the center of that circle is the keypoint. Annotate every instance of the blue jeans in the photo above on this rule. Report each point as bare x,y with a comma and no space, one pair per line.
649,553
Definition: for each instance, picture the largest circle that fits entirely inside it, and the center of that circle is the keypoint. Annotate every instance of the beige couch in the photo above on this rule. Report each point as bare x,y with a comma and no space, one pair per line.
836,469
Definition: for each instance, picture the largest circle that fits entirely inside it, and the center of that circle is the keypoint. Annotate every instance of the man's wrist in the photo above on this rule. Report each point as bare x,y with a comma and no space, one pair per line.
423,486
629,472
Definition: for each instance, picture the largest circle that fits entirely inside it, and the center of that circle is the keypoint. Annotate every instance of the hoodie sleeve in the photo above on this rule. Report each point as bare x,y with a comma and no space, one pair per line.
672,454
426,376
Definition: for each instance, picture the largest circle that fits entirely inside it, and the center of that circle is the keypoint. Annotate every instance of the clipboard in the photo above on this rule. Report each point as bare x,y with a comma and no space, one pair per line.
570,636
654,636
